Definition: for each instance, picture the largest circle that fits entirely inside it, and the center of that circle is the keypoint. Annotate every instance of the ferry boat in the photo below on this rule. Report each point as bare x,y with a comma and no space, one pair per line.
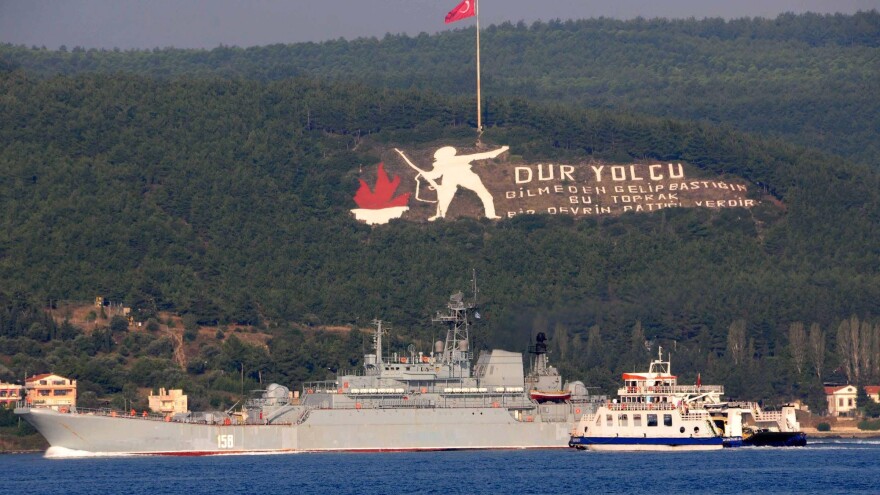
653,412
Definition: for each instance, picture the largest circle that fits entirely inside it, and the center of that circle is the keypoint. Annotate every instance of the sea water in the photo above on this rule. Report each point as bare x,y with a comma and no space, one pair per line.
823,467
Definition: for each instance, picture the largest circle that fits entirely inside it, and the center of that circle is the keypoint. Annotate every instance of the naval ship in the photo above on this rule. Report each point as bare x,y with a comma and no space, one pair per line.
433,400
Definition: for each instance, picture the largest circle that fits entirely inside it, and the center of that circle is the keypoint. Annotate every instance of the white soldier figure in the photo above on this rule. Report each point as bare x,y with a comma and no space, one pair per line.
456,172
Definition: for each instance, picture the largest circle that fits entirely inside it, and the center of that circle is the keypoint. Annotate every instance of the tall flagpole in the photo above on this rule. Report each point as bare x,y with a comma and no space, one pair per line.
479,109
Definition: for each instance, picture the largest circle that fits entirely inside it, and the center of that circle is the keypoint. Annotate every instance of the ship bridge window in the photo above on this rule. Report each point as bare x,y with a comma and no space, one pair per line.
667,420
637,420
652,420
621,419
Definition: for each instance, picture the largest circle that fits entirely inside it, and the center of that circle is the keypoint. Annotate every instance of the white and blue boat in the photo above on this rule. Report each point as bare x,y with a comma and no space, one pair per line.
652,413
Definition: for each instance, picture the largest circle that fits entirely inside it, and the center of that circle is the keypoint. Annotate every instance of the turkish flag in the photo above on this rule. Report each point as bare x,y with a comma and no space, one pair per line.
467,8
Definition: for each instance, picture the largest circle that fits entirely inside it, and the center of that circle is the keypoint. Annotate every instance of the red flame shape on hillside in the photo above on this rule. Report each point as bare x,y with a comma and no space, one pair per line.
381,197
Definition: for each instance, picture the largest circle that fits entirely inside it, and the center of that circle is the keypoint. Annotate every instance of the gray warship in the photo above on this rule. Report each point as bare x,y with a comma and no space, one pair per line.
396,402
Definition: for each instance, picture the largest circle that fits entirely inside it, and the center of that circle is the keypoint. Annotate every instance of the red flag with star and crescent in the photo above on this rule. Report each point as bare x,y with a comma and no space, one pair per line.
467,8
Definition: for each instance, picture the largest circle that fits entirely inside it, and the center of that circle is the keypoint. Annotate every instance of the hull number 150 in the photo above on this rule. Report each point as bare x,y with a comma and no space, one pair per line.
225,442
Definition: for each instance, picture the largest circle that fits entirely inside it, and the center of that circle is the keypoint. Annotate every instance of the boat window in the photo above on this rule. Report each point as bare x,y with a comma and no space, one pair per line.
609,419
637,420
667,420
621,419
681,430
652,420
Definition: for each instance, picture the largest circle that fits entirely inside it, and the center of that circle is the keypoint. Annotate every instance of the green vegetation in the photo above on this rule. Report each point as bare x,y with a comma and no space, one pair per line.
225,200
869,424
810,79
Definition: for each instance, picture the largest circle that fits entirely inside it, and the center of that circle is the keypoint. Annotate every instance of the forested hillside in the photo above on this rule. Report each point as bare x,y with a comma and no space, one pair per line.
226,201
810,79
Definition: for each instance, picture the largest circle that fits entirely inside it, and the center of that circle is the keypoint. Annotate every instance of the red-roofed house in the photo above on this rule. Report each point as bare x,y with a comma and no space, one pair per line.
873,392
48,390
841,400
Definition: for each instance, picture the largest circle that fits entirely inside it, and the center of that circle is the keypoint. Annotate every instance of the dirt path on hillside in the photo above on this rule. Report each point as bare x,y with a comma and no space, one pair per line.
179,351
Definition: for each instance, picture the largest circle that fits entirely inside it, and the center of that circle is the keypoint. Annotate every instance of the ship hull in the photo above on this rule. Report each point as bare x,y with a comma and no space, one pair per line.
646,444
323,430
776,439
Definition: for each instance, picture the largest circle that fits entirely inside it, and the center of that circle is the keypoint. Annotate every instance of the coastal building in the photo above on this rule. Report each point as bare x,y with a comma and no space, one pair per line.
873,392
841,400
10,393
168,402
49,390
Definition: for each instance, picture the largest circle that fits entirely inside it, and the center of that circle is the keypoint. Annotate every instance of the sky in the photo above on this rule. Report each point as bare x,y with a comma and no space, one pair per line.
147,24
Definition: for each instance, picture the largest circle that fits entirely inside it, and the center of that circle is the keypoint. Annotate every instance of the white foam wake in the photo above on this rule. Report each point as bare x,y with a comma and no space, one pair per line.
65,453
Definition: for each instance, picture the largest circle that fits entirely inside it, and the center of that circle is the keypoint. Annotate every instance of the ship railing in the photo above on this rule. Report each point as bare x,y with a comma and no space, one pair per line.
131,414
769,416
761,414
321,387
640,406
672,389
447,403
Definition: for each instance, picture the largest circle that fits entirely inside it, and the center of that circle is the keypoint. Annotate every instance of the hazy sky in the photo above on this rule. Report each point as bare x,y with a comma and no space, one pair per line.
209,23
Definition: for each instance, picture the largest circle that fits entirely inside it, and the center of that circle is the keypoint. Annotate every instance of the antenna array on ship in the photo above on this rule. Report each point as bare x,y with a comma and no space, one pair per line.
455,351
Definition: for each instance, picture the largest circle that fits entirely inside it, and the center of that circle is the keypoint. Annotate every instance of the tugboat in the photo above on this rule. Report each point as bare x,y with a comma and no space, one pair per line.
653,412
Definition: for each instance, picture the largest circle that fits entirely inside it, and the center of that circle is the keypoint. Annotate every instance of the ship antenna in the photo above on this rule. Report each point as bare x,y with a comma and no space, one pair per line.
474,280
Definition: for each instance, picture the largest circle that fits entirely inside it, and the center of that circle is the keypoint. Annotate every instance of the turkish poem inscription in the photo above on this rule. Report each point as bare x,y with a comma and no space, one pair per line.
444,182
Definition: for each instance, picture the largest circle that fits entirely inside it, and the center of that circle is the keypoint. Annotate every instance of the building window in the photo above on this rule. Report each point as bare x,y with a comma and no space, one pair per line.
849,402
840,402
652,420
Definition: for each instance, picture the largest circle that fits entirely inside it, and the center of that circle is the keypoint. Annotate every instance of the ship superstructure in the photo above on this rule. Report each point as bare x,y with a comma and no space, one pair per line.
411,400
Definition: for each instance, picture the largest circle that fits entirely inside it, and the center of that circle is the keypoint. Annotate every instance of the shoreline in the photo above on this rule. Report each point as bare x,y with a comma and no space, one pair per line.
842,434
